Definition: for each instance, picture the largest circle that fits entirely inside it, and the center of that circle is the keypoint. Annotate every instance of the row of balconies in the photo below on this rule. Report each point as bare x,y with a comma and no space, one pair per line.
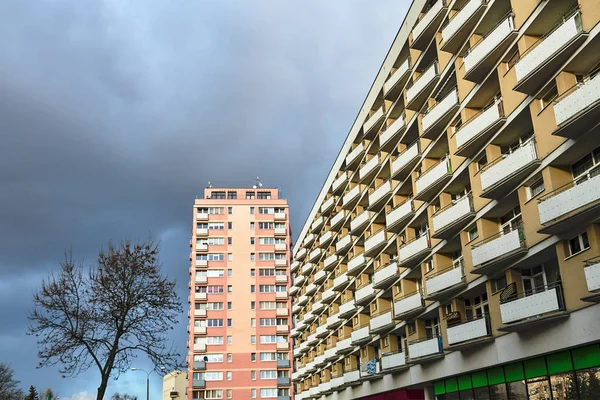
278,216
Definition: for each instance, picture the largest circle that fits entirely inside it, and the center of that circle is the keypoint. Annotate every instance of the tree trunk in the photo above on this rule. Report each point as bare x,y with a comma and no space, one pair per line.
102,387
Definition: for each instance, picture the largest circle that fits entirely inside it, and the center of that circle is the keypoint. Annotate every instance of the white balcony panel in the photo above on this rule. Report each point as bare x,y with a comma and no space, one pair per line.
328,295
202,216
321,329
380,192
330,353
548,47
357,262
200,313
337,218
592,277
357,151
317,224
394,360
324,387
363,293
347,307
569,200
325,238
381,321
300,254
329,261
422,81
396,76
320,275
408,304
399,213
343,243
477,125
339,281
280,278
339,181
413,248
444,281
280,262
298,280
432,176
424,348
391,130
488,44
310,289
333,320
335,383
360,334
530,306
389,272
427,19
327,204
360,220
459,19
199,346
201,247
201,263
374,241
376,116
201,330
280,231
495,248
369,166
351,377
306,268
586,95
458,210
201,232
351,195
280,247
316,253
509,165
439,110
295,266
201,296
405,158
467,331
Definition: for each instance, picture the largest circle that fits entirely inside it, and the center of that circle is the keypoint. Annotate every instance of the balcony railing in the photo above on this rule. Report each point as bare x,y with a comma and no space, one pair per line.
452,214
399,214
569,198
577,100
388,132
592,274
407,158
337,218
325,239
426,78
356,263
506,168
426,19
393,360
381,321
351,195
315,254
368,167
359,221
437,115
385,276
330,262
496,247
354,153
378,195
470,329
343,243
446,278
459,19
541,300
375,242
397,76
364,294
360,333
408,304
414,248
339,182
480,124
433,175
327,204
373,120
425,347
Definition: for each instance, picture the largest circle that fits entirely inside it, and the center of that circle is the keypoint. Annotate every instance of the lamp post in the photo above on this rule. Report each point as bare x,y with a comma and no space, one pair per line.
147,379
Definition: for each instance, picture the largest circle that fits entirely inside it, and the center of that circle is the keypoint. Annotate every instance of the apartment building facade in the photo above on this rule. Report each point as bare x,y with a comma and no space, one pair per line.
240,309
454,249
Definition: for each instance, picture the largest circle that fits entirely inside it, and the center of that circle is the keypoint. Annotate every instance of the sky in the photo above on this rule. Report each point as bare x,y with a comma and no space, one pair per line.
114,114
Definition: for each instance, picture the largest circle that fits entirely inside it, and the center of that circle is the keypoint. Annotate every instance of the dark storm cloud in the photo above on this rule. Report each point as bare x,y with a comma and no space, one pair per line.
114,114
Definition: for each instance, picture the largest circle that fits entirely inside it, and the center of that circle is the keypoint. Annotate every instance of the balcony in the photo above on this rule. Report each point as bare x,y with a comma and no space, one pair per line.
283,363
468,333
446,282
286,397
364,295
427,25
280,232
328,296
339,183
280,247
280,216
530,308
317,307
201,216
382,322
540,61
451,219
202,232
351,197
409,305
360,335
373,122
330,353
198,384
406,160
375,243
281,278
504,173
393,86
282,312
307,269
354,155
439,115
498,249
298,280
419,91
425,350
202,263
577,109
202,247
460,25
351,377
201,296
359,222
280,262
327,205
384,277
340,282
283,381
281,295
379,196
283,346
484,54
343,244
344,346
311,289
393,361
478,129
296,264
368,169
391,133
202,279
396,219
199,330
317,224
324,387
433,179
570,206
294,290
414,251
200,313
356,264
338,218
315,255
333,321
322,331
330,262
325,239
320,276
199,365
348,309
592,278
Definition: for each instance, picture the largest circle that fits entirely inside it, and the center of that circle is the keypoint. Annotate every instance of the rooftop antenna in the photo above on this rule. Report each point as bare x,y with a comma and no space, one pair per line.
210,185
257,184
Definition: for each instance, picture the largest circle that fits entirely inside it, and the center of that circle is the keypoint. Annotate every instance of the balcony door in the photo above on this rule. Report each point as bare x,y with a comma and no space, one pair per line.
534,280
511,221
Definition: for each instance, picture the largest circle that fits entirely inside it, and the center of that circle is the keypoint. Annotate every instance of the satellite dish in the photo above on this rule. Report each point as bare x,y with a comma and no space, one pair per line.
210,185
257,184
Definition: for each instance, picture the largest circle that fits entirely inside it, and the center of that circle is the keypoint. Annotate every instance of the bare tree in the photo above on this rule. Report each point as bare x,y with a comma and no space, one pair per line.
9,389
118,396
108,314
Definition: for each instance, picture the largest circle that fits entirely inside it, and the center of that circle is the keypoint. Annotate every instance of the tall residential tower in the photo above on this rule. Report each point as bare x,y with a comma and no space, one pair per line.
454,249
240,318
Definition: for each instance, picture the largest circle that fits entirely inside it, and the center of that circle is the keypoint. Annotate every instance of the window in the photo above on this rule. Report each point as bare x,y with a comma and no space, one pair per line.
229,305
231,195
252,272
266,225
228,321
251,210
252,322
250,195
229,288
229,391
213,394
253,357
473,233
268,356
253,305
211,210
263,195
511,221
498,284
229,272
229,339
432,328
268,339
212,241
253,339
429,265
266,272
210,358
534,280
211,289
229,257
209,306
477,306
217,226
587,167
213,323
230,225
268,374
481,162
535,188
266,256
251,256
268,322
267,393
252,288
213,340
386,341
211,376
578,244
229,240
252,240
253,391
229,210
218,195
229,357
550,95
215,257
268,305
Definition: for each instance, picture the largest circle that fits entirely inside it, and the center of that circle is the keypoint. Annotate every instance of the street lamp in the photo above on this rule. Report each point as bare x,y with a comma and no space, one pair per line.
147,379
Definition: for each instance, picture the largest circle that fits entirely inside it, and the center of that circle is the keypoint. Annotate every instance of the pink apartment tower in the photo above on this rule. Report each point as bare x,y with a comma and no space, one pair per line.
240,308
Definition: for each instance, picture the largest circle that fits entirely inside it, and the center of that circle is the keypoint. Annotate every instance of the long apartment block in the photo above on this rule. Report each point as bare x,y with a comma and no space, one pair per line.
453,252
240,308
